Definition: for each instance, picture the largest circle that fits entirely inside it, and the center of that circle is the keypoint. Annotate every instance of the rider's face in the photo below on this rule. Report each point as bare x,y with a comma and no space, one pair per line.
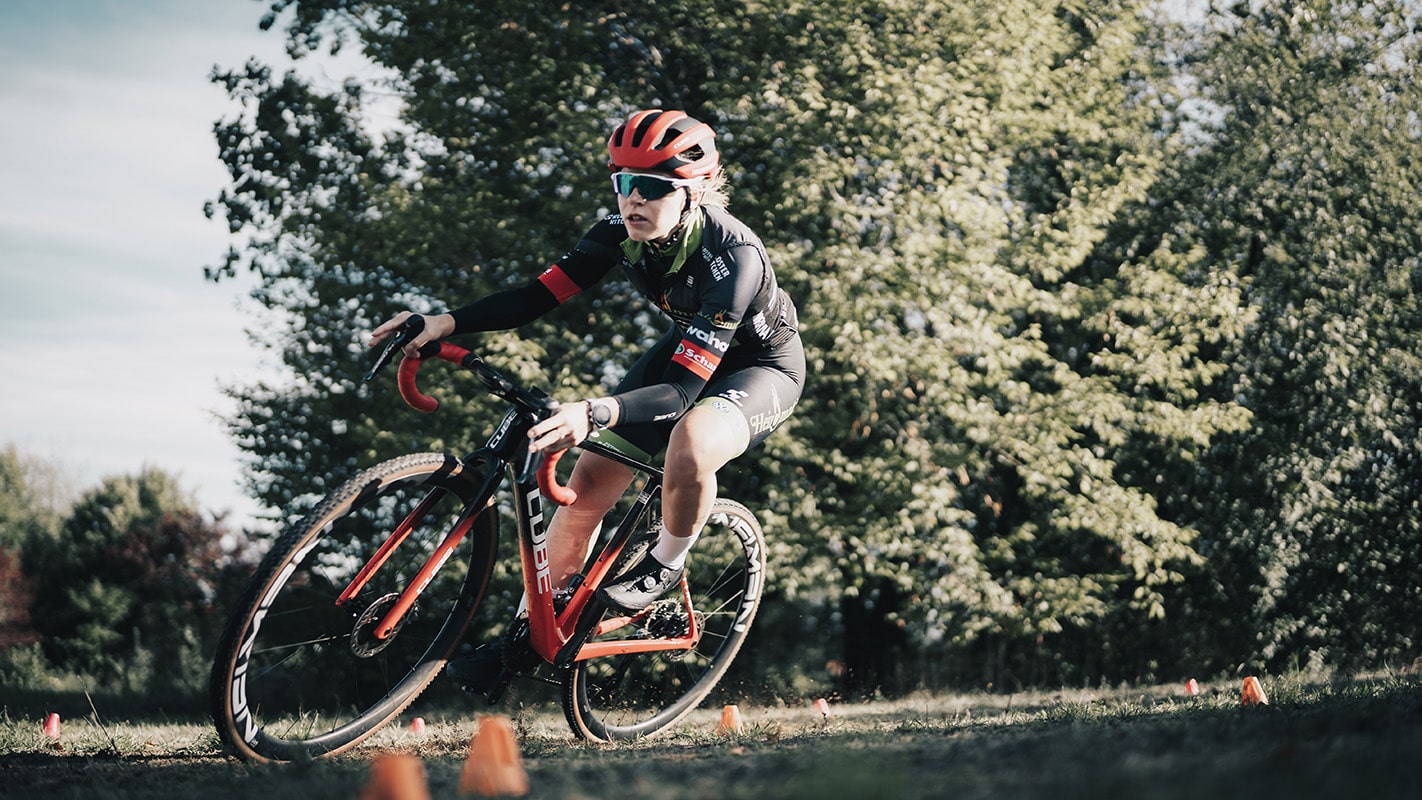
651,220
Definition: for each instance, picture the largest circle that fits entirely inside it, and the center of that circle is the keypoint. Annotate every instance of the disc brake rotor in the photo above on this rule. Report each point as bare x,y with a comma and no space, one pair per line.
364,643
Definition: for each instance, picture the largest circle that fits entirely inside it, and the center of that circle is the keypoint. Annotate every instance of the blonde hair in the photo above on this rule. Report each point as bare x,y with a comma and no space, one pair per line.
716,191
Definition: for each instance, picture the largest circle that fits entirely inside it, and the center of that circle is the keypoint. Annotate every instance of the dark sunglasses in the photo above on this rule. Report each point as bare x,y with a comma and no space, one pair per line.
651,187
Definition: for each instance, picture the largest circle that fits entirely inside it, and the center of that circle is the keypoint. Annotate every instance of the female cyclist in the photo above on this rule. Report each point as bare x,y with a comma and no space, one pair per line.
728,371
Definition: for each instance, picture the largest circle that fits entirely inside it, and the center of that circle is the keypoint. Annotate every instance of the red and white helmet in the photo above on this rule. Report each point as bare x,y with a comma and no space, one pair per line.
664,141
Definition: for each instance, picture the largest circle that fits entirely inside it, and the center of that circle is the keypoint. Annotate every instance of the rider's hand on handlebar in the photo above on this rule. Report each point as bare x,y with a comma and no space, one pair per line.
436,328
567,427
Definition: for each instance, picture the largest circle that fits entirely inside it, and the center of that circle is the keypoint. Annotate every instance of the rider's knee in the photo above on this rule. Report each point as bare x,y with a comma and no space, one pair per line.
691,459
683,466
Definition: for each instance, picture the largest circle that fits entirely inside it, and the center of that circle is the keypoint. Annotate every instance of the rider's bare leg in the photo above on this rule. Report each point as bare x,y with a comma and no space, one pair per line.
702,442
599,483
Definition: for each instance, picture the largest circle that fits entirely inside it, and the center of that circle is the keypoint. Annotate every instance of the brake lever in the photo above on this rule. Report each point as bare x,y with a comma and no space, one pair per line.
533,462
528,470
407,333
384,360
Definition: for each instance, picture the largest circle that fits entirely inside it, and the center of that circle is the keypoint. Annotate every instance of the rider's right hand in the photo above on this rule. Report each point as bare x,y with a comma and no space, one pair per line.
436,327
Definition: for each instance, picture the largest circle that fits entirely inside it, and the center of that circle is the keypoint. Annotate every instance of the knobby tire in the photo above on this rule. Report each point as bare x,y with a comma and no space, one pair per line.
298,677
638,695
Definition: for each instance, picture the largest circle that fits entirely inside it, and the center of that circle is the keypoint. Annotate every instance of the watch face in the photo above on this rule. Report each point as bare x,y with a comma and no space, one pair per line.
601,415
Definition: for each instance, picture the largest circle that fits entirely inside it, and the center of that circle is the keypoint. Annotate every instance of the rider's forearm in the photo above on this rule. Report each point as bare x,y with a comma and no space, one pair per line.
504,310
656,402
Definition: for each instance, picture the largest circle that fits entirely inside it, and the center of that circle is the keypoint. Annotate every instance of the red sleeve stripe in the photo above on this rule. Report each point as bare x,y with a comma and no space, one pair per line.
694,357
555,280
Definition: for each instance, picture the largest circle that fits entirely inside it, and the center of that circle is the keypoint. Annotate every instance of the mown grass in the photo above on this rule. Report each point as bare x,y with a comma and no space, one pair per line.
1350,739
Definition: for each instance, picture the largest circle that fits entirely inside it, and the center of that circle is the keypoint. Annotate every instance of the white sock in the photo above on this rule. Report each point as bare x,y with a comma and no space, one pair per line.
670,550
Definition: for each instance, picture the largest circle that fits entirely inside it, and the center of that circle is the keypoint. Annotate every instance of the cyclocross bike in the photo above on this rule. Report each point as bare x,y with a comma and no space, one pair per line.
357,607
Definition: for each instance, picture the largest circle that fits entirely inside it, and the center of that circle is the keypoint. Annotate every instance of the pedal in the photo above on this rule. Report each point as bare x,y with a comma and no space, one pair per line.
501,685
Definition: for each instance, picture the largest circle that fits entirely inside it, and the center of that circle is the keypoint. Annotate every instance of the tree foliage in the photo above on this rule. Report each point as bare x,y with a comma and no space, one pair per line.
125,591
32,494
1085,365
28,493
1004,380
1309,192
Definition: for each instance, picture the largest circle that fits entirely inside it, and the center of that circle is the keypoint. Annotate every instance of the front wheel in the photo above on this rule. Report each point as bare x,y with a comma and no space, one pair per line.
299,674
638,695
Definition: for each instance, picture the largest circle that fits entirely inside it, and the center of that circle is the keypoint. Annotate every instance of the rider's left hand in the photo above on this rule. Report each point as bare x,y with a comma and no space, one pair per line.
567,427
438,326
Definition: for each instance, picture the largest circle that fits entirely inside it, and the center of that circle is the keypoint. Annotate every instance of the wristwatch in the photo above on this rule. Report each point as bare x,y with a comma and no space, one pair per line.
599,415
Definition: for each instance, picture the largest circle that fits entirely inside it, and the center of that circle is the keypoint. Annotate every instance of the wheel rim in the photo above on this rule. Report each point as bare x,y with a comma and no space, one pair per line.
308,676
631,696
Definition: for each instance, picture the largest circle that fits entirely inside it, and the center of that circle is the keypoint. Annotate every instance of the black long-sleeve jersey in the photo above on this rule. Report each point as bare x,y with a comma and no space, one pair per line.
715,284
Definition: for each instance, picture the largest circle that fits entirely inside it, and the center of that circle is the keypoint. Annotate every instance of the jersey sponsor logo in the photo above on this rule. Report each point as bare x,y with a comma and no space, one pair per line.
719,270
769,421
699,361
735,396
760,423
760,326
707,338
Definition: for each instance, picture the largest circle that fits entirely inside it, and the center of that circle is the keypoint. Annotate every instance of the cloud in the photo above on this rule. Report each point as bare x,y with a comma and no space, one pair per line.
114,345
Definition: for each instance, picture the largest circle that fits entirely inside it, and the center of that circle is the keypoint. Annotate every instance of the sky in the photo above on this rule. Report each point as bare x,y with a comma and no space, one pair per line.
113,347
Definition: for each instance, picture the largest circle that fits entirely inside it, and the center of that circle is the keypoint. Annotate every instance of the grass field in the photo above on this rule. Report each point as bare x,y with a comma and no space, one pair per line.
1360,738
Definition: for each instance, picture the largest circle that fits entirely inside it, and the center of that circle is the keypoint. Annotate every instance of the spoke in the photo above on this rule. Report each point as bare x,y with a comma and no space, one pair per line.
732,602
294,645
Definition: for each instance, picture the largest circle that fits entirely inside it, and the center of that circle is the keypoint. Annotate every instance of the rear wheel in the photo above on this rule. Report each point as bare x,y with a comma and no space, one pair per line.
641,694
298,676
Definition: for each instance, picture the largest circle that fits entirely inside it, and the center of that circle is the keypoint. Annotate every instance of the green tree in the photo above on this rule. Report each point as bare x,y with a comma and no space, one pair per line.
1004,378
29,491
32,492
1308,189
1008,380
128,584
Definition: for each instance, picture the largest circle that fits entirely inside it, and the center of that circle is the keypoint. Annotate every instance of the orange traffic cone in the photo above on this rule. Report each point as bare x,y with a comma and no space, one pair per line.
396,776
1252,694
1192,687
822,706
51,726
493,766
417,726
731,721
